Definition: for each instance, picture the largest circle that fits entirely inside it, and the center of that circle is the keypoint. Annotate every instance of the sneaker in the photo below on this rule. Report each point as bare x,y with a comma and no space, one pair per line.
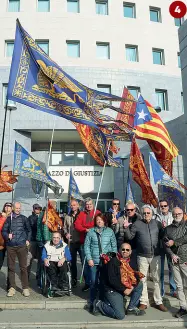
174,294
95,310
182,312
11,292
135,311
26,293
86,288
142,307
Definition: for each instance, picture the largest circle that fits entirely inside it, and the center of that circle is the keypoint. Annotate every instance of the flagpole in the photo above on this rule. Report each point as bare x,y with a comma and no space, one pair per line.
3,135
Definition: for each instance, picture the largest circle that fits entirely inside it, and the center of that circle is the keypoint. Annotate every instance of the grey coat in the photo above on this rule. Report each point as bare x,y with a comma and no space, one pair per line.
178,233
70,228
147,237
120,230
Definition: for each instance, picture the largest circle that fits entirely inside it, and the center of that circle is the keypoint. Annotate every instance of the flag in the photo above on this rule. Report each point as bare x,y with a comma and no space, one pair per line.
127,107
37,81
9,177
73,192
52,219
97,145
25,165
4,187
36,187
129,194
149,126
174,197
140,176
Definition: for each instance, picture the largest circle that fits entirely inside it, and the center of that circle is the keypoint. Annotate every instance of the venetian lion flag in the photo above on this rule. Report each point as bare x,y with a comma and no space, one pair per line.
140,175
52,219
4,187
149,126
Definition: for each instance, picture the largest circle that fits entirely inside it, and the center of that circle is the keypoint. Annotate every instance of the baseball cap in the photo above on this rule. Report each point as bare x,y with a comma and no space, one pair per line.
36,206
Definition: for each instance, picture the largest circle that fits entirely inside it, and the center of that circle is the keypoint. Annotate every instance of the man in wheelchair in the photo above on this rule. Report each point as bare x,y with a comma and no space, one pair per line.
56,255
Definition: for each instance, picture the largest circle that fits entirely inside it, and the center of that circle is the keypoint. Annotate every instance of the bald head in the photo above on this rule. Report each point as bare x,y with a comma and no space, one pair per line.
74,206
177,214
125,250
17,208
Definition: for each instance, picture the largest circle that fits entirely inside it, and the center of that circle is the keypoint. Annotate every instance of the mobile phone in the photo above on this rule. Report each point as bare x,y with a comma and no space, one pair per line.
166,239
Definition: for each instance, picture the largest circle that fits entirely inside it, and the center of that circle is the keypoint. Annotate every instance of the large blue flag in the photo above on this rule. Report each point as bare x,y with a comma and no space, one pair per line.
160,176
129,195
73,192
37,81
25,165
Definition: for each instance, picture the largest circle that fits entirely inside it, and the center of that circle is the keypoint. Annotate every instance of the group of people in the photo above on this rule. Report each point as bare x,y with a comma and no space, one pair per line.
117,249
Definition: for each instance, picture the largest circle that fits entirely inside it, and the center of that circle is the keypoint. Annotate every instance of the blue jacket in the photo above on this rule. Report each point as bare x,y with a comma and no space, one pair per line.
91,246
20,228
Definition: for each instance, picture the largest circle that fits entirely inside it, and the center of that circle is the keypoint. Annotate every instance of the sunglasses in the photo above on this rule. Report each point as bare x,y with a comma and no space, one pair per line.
125,249
164,206
115,204
130,209
180,213
146,213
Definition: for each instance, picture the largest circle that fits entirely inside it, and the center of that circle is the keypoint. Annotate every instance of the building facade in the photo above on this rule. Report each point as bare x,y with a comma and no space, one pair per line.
105,45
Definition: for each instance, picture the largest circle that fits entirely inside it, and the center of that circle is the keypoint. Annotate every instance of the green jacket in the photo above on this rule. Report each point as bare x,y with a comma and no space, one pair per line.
43,233
91,245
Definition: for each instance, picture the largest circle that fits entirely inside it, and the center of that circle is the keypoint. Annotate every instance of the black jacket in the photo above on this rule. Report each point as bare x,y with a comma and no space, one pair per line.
178,233
147,237
19,227
33,219
111,277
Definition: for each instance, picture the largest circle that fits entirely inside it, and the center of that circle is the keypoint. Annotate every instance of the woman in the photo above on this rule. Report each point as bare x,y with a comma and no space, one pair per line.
99,240
7,209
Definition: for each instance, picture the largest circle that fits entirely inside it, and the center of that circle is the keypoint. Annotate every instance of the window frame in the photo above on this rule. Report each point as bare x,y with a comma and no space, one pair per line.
179,60
181,20
100,43
10,102
161,51
158,10
78,3
127,46
44,41
49,6
136,88
10,11
182,101
102,2
130,5
74,42
6,47
165,93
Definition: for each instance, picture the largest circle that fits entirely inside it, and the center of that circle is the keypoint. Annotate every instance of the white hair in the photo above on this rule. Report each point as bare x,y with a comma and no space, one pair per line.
146,206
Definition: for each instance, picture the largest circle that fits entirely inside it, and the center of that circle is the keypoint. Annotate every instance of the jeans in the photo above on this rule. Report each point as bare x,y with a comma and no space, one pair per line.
113,305
172,284
95,284
135,296
2,256
74,249
86,272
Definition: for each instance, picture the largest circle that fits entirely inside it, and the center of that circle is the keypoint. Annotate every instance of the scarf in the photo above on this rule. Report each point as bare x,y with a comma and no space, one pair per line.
119,214
129,277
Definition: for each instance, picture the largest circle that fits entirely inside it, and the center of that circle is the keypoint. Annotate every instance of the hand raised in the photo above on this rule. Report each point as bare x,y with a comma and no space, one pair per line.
126,223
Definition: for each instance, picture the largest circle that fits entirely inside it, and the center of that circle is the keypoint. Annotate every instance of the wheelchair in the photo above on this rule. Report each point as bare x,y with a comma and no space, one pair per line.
46,287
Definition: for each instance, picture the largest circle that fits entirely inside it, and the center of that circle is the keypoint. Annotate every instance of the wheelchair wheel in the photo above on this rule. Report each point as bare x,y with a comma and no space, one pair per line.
44,283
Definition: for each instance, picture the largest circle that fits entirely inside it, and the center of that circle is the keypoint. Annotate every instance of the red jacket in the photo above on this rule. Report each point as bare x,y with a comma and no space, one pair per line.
81,224
2,221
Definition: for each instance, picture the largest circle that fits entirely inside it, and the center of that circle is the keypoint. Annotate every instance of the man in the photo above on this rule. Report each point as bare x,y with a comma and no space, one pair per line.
113,214
17,234
73,237
116,288
166,219
175,241
83,223
147,233
33,248
55,255
132,215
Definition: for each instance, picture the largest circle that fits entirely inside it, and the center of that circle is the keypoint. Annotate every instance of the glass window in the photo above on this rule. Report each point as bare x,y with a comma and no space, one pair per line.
101,7
73,6
43,5
44,44
14,5
56,158
182,102
178,21
131,53
68,158
10,102
9,48
104,88
179,60
134,91
103,50
158,56
155,14
161,99
129,10
73,49
101,206
81,159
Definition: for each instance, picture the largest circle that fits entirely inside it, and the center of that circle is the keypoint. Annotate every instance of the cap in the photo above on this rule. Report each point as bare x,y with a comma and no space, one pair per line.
36,206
